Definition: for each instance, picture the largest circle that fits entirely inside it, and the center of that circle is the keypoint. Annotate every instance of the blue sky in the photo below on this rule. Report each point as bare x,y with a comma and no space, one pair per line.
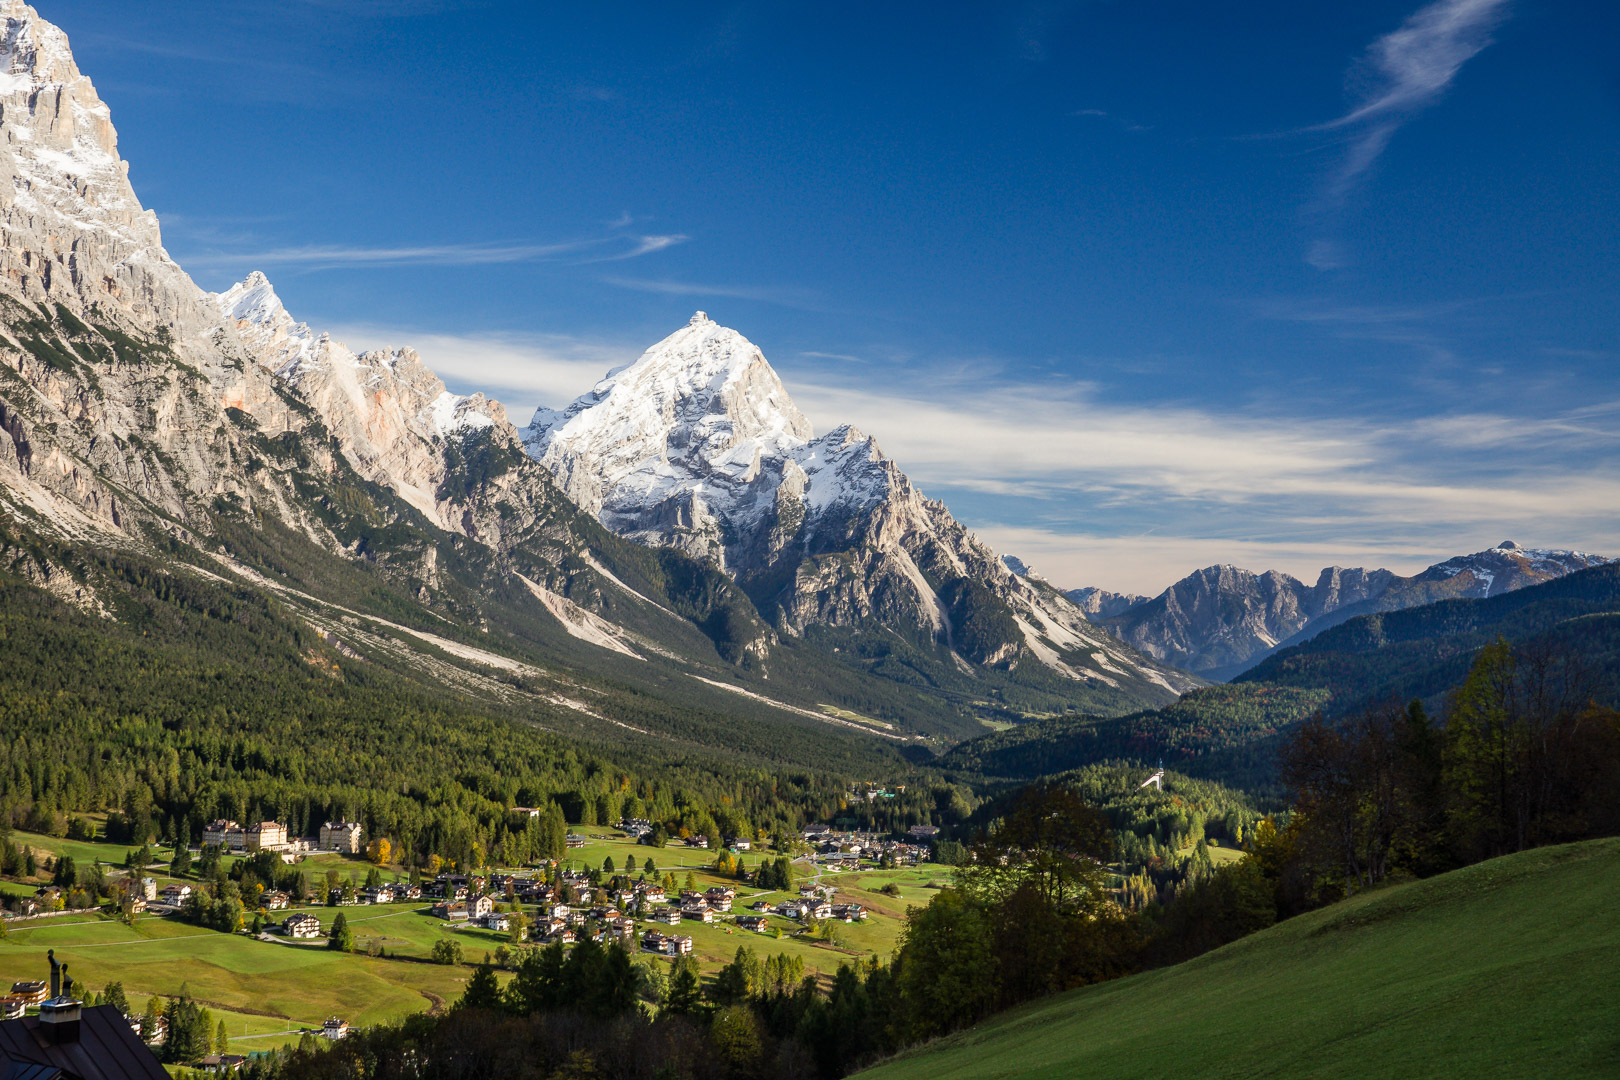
1135,288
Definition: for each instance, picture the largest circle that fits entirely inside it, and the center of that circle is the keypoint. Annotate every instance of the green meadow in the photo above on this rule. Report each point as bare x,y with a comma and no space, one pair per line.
265,989
1503,969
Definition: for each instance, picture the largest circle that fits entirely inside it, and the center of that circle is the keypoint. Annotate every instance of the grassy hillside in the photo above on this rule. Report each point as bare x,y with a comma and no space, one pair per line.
1503,969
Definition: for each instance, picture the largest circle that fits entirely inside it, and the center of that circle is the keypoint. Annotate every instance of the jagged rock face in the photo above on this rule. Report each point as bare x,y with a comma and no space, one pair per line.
142,401
126,365
698,445
1098,604
389,412
77,233
1221,620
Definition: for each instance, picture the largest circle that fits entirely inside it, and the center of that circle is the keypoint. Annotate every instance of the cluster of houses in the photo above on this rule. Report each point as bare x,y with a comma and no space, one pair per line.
572,909
814,902
847,849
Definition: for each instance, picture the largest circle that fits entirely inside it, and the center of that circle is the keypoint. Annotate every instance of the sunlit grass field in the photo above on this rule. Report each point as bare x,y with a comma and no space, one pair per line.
268,988
1503,969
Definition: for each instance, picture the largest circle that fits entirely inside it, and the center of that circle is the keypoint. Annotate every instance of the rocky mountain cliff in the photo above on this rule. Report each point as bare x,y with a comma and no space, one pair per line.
1100,604
698,445
1221,620
221,440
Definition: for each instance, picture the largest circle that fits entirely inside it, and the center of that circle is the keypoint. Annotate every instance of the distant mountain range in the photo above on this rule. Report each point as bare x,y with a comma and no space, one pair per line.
1232,732
1220,621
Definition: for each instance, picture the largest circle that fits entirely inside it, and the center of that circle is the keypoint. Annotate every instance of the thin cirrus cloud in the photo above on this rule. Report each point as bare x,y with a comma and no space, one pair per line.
1400,74
1073,483
783,296
325,256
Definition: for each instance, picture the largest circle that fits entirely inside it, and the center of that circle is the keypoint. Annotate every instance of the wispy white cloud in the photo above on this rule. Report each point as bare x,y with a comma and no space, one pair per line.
782,296
325,256
1285,489
1400,74
1105,115
645,245
845,357
522,371
1408,68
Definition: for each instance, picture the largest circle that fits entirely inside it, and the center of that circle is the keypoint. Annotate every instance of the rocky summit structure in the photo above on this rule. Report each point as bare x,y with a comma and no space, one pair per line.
698,445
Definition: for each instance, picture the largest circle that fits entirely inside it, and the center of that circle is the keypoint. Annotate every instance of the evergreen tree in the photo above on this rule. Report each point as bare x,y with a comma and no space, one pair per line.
482,992
341,936
685,997
65,875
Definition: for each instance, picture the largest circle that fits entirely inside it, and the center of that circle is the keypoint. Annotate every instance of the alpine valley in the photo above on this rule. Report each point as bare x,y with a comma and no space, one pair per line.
731,753
677,538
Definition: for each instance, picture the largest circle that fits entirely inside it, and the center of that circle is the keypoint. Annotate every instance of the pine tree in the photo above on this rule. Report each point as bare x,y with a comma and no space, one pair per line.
684,992
341,937
482,992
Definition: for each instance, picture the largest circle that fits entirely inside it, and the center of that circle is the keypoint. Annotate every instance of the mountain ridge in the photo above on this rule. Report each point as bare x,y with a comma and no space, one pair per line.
1221,620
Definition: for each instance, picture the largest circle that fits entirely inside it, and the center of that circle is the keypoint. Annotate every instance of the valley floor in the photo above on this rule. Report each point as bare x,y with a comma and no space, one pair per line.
269,990
1503,969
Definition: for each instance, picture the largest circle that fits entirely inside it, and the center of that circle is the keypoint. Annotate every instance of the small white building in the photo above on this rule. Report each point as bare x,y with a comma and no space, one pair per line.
301,925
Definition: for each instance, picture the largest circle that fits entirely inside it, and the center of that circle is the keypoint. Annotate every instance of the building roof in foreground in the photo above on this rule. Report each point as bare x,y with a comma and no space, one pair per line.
107,1049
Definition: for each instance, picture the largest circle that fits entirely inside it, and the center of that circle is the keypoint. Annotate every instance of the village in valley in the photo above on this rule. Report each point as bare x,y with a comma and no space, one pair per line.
284,938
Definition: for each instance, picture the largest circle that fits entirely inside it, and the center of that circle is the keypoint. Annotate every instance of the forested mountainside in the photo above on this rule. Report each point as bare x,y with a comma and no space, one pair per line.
1233,733
1222,620
202,698
1226,733
217,439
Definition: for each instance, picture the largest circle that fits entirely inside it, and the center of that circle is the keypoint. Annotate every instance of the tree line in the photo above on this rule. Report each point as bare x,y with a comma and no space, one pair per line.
1523,757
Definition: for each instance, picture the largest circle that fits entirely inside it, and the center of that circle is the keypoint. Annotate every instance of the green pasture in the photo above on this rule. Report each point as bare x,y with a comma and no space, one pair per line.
1503,969
267,989
294,984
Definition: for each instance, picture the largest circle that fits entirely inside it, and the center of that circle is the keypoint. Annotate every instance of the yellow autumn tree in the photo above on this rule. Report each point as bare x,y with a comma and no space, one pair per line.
379,851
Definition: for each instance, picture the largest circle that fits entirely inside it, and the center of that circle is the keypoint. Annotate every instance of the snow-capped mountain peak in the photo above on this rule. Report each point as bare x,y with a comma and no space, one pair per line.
275,339
1508,566
699,415
698,445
